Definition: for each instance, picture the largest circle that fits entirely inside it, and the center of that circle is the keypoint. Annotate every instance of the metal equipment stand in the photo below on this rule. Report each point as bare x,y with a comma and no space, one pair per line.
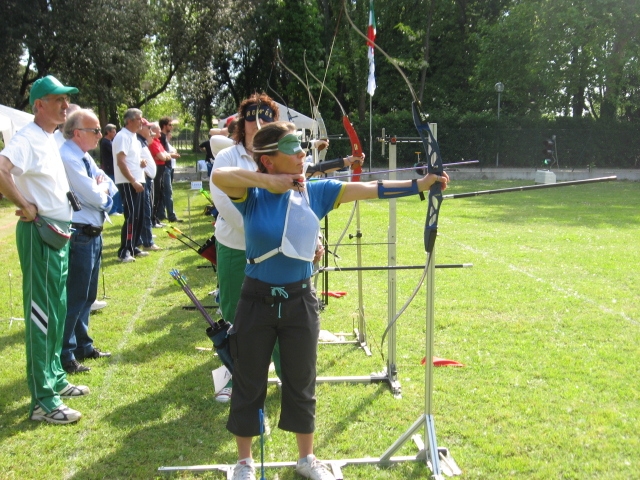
437,459
361,331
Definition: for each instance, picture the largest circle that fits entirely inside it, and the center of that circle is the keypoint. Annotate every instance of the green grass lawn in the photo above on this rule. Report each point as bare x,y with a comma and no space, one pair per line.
547,324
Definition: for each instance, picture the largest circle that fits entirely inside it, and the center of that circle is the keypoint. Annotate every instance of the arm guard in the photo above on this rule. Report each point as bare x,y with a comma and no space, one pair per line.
396,192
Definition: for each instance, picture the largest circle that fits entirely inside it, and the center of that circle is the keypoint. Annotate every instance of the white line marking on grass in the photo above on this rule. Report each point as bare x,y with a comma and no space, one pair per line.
113,368
553,285
573,293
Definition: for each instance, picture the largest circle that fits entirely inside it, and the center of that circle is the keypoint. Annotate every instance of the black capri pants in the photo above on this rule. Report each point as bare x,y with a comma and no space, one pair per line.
265,313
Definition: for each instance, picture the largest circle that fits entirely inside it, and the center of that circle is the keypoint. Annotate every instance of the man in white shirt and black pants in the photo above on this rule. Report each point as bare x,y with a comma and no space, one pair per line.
129,175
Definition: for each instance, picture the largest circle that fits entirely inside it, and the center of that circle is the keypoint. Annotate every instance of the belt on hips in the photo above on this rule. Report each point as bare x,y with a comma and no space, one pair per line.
89,230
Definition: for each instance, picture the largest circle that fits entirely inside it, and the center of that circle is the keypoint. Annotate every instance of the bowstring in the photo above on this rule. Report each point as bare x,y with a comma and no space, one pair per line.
333,42
417,103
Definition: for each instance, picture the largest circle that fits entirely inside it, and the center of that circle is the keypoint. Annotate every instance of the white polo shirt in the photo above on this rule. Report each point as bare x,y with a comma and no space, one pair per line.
229,227
38,171
127,142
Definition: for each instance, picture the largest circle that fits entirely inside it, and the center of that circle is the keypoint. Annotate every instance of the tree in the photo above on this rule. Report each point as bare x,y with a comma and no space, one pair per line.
564,56
87,43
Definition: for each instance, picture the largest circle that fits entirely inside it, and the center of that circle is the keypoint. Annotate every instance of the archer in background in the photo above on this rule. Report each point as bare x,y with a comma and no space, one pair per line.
229,227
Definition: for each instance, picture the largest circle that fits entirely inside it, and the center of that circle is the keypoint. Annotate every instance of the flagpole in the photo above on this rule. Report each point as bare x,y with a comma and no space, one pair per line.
370,131
371,80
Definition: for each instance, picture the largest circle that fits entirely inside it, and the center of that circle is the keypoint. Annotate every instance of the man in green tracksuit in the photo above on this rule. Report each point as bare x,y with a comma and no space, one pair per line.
32,177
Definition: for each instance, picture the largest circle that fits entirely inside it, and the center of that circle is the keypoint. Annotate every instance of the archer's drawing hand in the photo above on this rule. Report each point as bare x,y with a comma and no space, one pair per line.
322,144
282,182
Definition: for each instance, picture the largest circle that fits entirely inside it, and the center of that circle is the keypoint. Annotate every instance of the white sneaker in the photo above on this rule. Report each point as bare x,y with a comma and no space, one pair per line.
244,470
224,395
311,467
62,414
97,305
74,391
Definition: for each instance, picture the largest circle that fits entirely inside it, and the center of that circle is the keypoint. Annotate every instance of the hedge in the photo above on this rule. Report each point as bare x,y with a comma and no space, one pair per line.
580,142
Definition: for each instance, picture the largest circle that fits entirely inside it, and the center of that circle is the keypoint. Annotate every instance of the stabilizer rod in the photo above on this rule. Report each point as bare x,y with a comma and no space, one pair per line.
530,187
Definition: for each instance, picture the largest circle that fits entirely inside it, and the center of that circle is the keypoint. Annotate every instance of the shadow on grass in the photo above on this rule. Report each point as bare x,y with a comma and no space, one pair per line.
327,439
187,325
180,425
15,336
14,419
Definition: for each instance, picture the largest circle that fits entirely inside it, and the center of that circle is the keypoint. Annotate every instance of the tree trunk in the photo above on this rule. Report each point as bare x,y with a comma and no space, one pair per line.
196,126
611,97
577,98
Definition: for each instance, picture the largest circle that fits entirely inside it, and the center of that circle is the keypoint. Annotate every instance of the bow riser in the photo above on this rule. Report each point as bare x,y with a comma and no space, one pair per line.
434,165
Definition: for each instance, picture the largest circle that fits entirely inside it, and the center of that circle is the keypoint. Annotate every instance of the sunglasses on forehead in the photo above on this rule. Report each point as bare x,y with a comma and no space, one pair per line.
264,113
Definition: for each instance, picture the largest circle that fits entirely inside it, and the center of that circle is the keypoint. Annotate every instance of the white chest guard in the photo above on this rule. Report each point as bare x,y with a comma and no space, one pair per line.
301,231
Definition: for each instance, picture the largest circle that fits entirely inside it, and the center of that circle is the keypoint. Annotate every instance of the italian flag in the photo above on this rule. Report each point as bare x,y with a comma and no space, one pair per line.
371,36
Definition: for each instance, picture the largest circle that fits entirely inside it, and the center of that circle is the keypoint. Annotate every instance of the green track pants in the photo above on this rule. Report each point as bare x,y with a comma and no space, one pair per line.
44,294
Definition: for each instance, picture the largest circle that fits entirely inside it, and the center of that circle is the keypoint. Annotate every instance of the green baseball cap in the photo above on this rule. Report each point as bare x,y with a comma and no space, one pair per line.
48,85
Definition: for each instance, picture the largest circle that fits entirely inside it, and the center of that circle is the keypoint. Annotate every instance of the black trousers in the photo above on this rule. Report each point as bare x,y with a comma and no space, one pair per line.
132,203
158,195
265,313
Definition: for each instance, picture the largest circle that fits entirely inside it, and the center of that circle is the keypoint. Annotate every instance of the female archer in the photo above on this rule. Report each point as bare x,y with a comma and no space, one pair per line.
281,215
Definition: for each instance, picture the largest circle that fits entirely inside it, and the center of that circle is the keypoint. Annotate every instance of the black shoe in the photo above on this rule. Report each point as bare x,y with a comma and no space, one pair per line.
177,220
73,366
95,353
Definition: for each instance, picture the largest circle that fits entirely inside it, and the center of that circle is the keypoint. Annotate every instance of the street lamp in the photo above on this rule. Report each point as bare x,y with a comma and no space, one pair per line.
499,88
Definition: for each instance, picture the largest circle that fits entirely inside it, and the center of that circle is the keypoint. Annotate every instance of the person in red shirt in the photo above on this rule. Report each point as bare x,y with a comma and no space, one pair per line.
160,156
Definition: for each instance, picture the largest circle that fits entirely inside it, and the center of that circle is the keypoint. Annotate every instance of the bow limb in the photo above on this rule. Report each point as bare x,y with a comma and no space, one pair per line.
322,129
356,145
322,132
434,165
296,76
